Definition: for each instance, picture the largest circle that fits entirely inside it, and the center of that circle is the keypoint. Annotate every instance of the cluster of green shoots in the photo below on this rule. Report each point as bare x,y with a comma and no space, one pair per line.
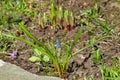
92,18
59,18
107,72
54,55
111,72
14,11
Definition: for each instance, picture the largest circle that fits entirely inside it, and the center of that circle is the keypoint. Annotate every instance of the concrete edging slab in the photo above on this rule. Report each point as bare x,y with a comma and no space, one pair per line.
12,72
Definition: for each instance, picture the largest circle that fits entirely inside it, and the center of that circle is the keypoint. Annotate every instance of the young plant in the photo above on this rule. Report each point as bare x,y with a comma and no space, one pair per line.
97,56
60,64
60,17
39,59
53,16
109,73
116,63
42,21
66,24
71,20
92,13
105,25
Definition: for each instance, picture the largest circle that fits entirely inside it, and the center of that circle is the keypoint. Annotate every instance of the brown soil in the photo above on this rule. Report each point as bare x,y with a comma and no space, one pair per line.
81,65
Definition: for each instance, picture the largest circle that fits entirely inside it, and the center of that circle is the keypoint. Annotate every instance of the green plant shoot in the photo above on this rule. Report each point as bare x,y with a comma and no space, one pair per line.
53,16
60,16
71,19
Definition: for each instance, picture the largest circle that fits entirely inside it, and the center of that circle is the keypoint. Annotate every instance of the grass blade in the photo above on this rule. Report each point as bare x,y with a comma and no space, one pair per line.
22,26
75,40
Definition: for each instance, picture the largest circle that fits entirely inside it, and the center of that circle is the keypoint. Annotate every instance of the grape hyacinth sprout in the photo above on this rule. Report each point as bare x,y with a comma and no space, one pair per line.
58,47
58,43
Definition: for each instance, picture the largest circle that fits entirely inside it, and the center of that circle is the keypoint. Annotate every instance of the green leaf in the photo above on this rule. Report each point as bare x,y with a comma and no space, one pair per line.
66,15
52,12
60,12
76,39
22,26
44,19
71,15
46,58
34,59
37,52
